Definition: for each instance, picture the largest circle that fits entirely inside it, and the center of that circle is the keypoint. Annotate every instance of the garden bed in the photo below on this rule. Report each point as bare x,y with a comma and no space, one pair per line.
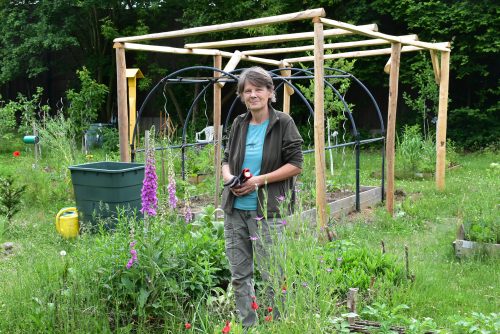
340,202
464,248
342,205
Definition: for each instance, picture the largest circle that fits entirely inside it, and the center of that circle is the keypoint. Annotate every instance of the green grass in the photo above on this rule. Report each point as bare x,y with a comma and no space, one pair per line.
35,296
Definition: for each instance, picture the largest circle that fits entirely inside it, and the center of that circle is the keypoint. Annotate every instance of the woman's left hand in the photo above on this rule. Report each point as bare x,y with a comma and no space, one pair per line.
252,184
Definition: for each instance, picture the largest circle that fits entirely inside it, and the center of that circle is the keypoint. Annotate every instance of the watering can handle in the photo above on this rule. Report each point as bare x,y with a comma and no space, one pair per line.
63,210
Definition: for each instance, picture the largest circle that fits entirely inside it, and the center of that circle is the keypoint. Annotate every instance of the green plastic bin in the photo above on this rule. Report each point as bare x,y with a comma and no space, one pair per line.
103,187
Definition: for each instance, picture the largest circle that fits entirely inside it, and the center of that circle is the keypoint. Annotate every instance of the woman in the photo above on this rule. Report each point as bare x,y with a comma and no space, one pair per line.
268,143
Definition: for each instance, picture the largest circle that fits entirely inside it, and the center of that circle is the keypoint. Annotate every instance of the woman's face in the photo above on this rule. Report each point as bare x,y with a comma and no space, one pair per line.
256,98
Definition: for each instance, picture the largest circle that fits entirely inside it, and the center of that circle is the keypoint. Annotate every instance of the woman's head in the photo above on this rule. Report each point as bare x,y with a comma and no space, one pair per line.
256,76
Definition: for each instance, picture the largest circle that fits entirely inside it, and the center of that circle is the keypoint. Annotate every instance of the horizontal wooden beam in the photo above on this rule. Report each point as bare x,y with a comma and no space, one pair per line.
306,14
274,38
354,54
341,45
169,49
375,34
200,52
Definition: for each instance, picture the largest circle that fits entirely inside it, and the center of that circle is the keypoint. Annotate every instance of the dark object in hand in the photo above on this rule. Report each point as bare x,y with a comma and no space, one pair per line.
240,179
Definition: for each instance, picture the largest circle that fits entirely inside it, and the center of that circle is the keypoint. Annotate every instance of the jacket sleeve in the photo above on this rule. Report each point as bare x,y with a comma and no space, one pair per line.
227,149
292,145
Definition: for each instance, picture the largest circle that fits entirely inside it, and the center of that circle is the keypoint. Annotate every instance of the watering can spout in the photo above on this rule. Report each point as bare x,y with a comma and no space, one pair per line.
67,222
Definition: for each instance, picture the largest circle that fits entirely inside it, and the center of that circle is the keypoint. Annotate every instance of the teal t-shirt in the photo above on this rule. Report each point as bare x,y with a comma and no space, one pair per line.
253,159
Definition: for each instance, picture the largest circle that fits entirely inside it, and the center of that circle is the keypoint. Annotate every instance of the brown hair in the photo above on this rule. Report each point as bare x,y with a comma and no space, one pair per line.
257,76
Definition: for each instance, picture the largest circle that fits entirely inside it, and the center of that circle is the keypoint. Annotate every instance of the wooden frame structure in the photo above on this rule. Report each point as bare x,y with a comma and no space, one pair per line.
372,37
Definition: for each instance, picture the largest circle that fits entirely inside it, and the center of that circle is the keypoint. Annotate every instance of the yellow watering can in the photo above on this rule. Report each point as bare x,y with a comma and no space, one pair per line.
67,222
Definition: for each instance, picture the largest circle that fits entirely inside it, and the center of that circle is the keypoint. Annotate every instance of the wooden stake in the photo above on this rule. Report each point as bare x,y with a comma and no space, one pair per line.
352,297
274,38
287,92
391,124
435,65
217,130
121,90
442,120
319,126
306,14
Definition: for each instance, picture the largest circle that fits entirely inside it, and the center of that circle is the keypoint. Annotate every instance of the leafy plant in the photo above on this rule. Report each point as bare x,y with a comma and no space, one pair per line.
10,197
57,138
477,323
482,229
85,104
176,264
415,153
425,102
8,117
334,107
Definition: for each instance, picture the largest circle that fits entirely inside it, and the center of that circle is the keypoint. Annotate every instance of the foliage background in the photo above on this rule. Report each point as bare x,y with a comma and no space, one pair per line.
43,43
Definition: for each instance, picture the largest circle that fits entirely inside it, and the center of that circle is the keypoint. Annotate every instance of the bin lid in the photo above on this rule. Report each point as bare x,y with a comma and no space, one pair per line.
107,167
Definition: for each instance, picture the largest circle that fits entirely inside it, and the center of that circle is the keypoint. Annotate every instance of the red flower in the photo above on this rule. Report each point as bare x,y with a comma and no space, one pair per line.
187,325
268,318
16,153
269,309
255,306
226,328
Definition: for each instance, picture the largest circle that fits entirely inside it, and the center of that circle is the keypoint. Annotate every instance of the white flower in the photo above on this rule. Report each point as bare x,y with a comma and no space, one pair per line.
62,253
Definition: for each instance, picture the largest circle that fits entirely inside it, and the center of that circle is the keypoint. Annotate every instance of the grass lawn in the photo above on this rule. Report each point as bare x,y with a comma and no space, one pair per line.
34,274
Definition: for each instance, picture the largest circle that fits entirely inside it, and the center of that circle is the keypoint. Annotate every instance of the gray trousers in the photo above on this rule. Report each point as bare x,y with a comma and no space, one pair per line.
245,237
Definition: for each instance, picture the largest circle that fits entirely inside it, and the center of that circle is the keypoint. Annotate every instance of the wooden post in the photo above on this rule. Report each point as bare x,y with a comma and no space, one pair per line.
319,125
217,130
391,124
132,75
287,91
121,90
352,297
441,122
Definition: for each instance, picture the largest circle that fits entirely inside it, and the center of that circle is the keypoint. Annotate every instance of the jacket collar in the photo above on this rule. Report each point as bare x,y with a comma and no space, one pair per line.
273,118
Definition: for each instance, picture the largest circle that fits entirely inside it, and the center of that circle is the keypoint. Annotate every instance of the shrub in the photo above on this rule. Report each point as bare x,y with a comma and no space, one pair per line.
85,104
175,265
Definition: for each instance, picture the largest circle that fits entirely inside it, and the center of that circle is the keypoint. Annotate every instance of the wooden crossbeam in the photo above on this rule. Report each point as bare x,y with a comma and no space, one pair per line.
275,38
201,52
341,45
375,34
306,14
354,54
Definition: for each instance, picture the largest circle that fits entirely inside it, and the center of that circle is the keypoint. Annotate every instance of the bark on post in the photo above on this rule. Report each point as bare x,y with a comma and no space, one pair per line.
441,123
121,90
217,129
319,124
391,124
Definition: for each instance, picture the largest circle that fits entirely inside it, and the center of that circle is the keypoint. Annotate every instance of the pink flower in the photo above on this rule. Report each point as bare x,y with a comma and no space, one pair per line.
280,198
259,218
254,238
133,252
187,325
149,185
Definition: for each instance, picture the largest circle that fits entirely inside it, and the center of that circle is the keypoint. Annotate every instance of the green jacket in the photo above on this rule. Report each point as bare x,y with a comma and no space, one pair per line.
282,145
